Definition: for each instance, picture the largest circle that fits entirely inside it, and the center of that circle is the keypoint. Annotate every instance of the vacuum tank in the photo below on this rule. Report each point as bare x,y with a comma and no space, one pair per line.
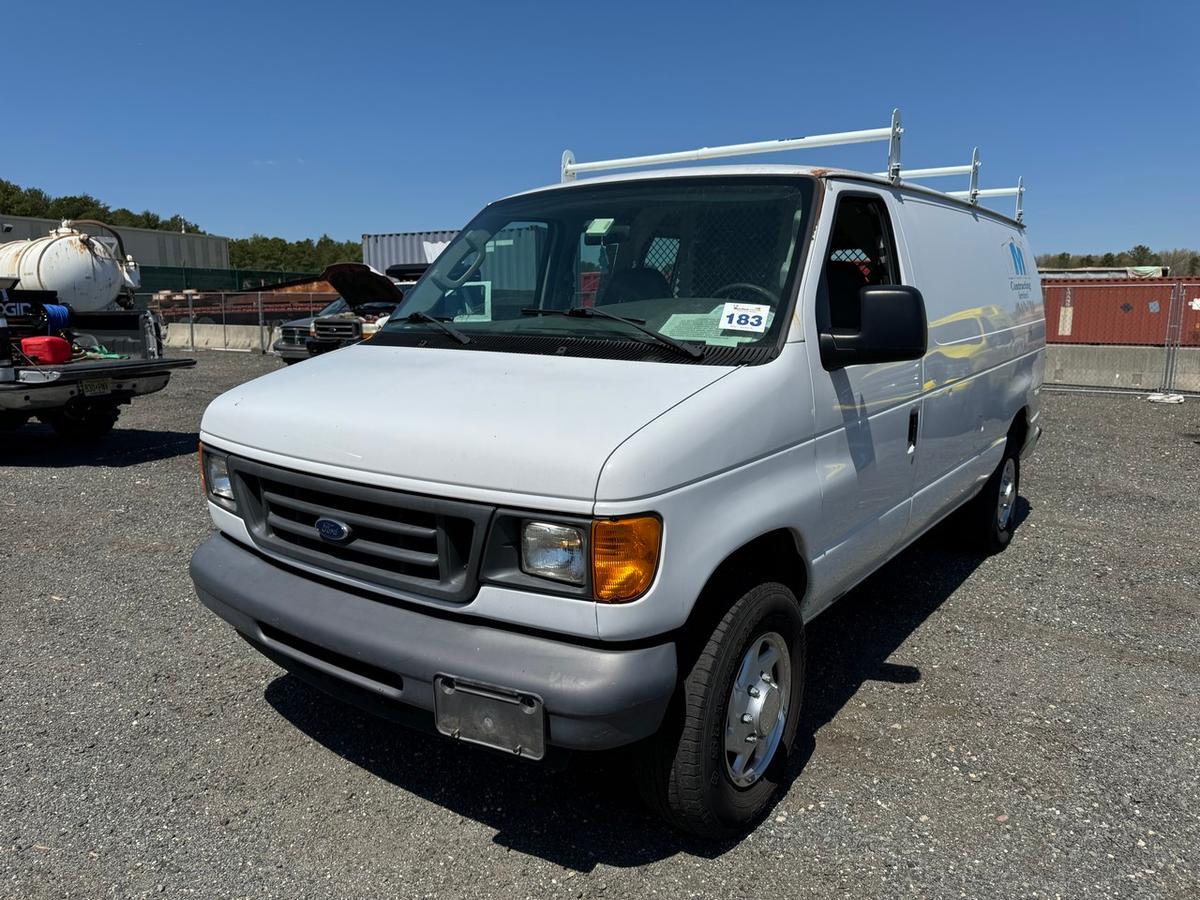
88,273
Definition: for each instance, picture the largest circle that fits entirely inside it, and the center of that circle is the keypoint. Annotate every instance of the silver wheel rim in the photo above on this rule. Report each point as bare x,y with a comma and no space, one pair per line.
1008,493
758,709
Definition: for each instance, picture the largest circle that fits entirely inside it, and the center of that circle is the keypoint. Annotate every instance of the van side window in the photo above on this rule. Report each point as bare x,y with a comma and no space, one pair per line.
861,252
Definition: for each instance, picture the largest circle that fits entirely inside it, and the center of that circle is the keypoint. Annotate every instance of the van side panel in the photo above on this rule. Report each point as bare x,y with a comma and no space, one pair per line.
987,337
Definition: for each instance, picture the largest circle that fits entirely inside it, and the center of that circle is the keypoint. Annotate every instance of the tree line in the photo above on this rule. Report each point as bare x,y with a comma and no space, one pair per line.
1181,261
255,252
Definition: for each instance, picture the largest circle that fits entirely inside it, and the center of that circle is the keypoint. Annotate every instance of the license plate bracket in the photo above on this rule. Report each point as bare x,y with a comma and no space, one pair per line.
96,387
491,716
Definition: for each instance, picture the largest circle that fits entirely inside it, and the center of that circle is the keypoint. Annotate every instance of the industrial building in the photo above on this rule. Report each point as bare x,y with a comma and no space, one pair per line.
148,247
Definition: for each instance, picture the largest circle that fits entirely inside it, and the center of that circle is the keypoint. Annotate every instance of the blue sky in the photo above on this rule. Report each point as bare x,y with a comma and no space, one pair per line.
299,118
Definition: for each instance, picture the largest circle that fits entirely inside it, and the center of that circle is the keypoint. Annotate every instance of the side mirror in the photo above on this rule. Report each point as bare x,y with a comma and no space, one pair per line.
892,329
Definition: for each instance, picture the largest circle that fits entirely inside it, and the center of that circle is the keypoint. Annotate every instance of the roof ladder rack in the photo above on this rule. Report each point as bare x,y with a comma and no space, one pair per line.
891,133
1018,192
973,193
971,168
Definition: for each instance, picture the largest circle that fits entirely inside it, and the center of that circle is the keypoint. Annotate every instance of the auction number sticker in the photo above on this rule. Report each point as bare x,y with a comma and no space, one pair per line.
745,317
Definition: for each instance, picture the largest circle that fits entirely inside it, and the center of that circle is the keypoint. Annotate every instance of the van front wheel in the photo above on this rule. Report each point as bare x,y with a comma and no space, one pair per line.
716,764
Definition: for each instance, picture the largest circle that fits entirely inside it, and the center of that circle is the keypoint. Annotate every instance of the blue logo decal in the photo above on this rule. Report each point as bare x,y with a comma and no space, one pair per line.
1018,258
333,531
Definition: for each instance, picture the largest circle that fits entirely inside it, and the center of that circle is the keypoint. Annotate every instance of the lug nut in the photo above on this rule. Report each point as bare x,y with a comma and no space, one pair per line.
747,718
754,692
752,739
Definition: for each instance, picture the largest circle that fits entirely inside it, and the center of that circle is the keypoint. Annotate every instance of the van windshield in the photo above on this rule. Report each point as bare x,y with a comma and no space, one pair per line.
709,262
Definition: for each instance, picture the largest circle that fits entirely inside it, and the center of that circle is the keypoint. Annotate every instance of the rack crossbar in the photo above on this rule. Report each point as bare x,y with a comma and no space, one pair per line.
971,168
987,192
936,172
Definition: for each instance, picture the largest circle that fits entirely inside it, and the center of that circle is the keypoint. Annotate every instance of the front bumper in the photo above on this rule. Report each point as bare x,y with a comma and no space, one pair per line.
290,351
317,346
595,698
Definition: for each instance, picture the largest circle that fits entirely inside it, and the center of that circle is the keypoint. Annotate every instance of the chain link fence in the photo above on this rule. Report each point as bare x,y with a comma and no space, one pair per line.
1142,336
258,321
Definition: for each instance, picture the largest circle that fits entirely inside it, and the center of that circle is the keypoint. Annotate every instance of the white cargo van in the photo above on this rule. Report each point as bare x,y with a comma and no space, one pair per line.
628,435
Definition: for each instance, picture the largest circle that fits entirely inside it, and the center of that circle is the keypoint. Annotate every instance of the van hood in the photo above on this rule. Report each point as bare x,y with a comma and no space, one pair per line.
528,424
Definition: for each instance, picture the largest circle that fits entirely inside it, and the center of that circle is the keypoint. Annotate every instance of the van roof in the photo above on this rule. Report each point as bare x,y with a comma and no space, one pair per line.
821,172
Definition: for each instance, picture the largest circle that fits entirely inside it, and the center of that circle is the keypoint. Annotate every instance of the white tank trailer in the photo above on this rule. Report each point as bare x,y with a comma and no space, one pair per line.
88,273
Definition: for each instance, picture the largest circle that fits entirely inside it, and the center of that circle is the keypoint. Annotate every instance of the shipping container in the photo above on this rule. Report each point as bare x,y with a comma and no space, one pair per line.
403,248
1130,312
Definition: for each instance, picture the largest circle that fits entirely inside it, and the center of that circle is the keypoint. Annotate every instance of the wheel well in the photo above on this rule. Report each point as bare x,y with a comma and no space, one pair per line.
1019,429
774,556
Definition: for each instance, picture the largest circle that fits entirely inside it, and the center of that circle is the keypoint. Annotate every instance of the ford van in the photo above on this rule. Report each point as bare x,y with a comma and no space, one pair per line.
629,435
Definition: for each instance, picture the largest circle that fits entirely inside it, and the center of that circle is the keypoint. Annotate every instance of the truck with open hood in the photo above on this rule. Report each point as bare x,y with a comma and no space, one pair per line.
365,299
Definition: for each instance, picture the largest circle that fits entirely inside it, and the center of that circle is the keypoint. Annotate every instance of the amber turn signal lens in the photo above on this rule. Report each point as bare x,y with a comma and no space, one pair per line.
624,557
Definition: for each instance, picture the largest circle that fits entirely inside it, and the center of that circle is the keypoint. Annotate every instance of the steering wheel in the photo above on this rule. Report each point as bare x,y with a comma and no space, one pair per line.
745,285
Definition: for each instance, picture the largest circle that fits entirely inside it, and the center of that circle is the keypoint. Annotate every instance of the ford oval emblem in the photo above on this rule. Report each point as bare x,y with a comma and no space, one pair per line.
333,531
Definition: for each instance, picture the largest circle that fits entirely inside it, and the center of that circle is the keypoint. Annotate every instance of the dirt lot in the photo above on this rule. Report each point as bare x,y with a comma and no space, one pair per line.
1026,725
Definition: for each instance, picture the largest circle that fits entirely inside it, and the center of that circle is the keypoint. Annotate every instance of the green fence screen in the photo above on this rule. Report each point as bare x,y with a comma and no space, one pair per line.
179,278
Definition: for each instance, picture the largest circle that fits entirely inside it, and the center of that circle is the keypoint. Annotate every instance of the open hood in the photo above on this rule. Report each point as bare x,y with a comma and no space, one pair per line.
359,283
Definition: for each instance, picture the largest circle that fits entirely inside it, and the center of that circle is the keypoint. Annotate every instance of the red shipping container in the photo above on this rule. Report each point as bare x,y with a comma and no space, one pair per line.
47,350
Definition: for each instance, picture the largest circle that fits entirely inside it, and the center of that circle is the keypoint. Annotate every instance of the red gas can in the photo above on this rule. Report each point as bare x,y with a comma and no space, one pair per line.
46,350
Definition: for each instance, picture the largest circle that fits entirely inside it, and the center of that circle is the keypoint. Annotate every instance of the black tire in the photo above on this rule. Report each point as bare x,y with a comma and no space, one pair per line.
682,771
983,519
83,422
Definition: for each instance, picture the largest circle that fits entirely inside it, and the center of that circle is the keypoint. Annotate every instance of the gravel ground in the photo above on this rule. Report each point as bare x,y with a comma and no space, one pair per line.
1026,725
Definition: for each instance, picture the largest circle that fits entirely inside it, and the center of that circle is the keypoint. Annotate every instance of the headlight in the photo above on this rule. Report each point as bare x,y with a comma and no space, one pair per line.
606,560
214,474
554,551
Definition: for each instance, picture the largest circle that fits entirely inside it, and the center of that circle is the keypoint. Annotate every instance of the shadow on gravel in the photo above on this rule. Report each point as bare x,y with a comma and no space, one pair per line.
39,446
588,813
851,642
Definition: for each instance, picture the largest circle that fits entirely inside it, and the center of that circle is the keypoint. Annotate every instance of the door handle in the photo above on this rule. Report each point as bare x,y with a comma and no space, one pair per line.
913,419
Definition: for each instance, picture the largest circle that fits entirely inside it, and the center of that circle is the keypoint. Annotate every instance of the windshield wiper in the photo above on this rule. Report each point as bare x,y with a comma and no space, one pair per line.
444,326
588,312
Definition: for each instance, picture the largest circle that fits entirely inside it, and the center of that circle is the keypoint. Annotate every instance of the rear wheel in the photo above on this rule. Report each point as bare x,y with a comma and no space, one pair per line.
83,421
717,763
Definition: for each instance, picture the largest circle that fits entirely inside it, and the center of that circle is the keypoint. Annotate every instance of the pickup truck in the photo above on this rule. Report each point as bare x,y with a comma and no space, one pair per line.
115,356
365,300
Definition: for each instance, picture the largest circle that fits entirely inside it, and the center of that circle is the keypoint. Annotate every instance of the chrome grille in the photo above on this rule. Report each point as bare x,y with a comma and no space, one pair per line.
292,335
338,329
395,539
